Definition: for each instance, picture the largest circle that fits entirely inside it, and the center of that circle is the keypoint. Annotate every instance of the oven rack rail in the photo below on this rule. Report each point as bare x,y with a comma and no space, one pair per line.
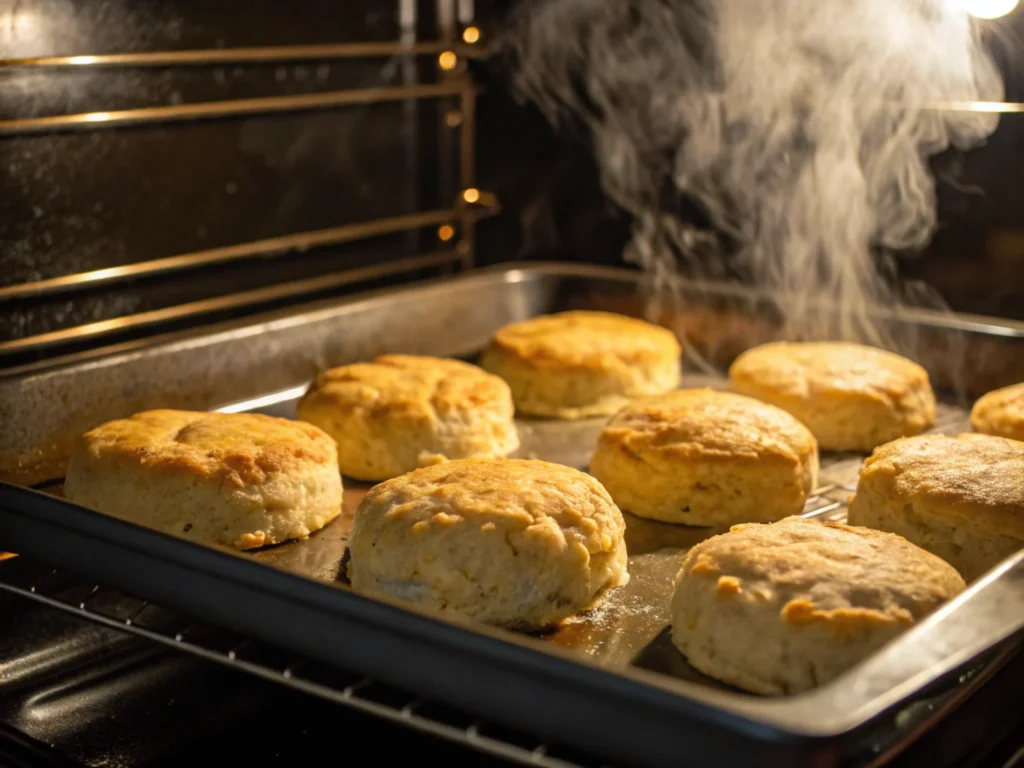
116,610
433,68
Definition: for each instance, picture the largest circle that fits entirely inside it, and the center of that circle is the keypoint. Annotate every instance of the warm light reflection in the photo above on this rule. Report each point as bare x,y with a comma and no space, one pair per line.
106,273
445,232
1004,107
471,195
96,117
80,60
987,9
447,60
471,35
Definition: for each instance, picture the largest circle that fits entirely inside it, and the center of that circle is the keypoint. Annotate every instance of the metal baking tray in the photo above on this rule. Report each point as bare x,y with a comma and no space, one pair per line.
609,681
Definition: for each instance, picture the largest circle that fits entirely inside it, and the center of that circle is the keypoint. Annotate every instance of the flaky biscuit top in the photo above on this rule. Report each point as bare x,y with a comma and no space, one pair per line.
550,503
975,477
805,370
842,578
1000,412
237,449
585,340
411,385
707,424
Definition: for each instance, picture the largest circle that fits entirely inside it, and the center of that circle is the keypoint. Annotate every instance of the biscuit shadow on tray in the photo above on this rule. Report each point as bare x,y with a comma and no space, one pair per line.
563,442
645,536
661,656
324,554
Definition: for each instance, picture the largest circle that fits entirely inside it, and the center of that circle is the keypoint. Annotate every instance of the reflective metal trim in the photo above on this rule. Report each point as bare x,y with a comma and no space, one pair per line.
231,301
254,55
1002,107
467,171
274,246
231,108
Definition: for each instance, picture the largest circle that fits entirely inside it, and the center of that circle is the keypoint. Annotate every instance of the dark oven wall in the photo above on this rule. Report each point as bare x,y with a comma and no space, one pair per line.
246,166
263,192
553,207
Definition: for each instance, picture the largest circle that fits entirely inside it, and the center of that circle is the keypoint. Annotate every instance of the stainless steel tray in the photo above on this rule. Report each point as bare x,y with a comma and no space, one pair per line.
608,680
629,626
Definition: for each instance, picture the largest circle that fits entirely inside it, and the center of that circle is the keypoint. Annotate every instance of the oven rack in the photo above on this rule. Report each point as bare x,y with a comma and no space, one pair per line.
435,43
117,610
114,609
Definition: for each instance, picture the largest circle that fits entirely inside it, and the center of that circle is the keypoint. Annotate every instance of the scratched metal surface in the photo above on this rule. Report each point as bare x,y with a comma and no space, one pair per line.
628,630
629,625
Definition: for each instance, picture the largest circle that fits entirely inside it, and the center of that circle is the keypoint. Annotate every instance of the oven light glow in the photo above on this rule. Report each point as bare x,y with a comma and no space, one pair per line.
447,60
987,9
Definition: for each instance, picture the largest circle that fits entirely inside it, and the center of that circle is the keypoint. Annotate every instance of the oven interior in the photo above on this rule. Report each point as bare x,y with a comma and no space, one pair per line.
173,166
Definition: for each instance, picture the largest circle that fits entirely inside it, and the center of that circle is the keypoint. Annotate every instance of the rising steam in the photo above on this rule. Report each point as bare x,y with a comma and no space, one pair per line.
802,127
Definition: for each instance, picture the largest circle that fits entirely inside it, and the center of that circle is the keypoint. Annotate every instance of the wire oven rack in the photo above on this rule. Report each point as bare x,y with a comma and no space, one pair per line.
118,610
432,70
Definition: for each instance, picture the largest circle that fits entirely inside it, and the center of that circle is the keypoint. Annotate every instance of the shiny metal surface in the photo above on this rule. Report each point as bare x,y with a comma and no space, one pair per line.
231,108
998,107
923,671
275,246
251,55
622,629
465,211
108,610
54,323
230,301
467,170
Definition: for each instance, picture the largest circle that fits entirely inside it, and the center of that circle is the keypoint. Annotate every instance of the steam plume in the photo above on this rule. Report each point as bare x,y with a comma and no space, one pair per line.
803,127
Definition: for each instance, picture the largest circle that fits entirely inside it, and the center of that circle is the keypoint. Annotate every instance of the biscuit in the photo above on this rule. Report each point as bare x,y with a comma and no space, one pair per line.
961,498
242,480
852,397
510,542
701,457
578,364
400,412
786,607
1000,413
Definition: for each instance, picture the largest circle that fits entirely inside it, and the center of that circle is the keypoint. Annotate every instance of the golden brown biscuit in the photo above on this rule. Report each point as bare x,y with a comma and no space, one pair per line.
701,457
852,397
786,607
578,364
961,498
510,542
1000,413
243,480
401,412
